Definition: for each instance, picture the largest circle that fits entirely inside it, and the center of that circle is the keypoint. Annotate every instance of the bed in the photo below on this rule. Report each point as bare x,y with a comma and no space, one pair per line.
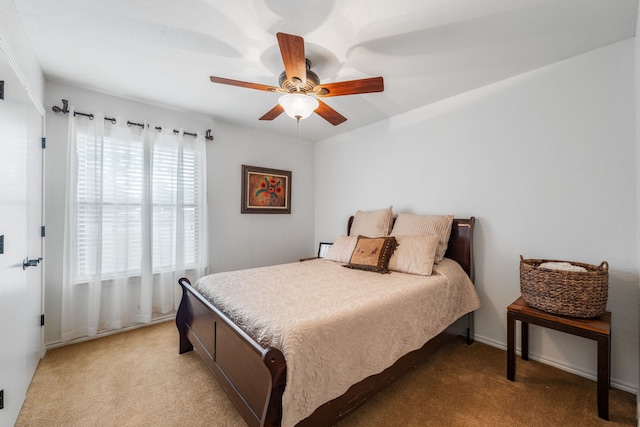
254,374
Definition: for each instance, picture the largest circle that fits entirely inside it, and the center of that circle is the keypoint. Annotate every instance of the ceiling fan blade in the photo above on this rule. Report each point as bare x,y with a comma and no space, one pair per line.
351,87
329,114
273,113
292,51
239,83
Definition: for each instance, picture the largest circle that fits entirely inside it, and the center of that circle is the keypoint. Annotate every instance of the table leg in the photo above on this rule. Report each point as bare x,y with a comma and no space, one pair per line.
609,344
524,337
604,380
511,346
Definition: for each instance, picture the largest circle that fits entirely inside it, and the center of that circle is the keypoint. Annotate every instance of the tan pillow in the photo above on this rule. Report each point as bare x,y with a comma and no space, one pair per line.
372,253
372,223
415,254
342,249
437,225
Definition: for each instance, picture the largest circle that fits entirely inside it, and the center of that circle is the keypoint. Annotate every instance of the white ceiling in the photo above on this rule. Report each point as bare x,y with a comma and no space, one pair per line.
163,52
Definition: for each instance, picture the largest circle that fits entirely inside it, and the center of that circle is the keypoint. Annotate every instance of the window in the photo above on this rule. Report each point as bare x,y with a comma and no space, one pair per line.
135,222
137,201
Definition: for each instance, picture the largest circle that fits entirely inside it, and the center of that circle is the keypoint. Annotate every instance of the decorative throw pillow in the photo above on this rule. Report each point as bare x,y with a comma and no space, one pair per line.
415,254
342,249
372,223
372,253
437,225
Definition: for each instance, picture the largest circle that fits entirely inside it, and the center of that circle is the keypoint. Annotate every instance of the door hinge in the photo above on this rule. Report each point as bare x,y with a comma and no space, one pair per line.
42,234
44,143
42,320
1,89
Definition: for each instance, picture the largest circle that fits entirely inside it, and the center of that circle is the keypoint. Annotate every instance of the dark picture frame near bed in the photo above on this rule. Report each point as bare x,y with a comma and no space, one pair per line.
265,190
323,248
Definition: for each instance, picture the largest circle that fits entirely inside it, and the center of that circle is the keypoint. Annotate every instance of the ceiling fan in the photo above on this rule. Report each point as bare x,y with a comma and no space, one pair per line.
301,87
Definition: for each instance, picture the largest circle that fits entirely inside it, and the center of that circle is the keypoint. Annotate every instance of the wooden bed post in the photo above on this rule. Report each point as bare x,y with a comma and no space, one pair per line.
182,317
275,362
470,329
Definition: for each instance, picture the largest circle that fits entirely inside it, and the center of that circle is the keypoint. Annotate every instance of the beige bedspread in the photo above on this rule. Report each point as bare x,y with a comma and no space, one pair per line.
337,326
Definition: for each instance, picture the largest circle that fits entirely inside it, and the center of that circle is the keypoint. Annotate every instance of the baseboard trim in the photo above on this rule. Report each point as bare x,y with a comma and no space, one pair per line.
56,344
560,365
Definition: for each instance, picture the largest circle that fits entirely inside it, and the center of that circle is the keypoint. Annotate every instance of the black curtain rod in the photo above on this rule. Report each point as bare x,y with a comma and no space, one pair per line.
65,110
175,131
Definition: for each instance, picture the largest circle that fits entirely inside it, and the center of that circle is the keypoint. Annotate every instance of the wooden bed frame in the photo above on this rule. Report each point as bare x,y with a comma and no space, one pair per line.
254,377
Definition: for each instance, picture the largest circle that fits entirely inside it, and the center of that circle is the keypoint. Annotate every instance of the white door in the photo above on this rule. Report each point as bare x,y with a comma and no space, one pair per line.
20,228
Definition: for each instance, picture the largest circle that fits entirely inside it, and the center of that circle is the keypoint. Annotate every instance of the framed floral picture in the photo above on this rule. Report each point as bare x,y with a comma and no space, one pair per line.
265,190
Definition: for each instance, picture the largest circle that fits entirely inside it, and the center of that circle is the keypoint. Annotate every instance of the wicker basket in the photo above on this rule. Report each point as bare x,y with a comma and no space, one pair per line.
568,293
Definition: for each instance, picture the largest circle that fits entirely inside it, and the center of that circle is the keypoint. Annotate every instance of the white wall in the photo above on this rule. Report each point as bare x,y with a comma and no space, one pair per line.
13,38
236,240
545,161
253,240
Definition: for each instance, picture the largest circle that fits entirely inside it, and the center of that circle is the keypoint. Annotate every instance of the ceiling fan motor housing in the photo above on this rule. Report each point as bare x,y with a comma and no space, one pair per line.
295,86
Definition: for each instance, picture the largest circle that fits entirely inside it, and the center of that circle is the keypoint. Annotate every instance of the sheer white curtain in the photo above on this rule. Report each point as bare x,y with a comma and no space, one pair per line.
135,222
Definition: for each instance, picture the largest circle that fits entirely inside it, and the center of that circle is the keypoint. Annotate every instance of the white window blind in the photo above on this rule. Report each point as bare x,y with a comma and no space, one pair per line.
112,172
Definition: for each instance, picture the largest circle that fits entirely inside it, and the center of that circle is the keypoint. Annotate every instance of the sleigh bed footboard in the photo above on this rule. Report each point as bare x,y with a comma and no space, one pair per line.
253,376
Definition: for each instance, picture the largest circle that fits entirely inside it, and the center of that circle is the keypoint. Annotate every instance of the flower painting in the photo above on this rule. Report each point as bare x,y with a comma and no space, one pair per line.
265,190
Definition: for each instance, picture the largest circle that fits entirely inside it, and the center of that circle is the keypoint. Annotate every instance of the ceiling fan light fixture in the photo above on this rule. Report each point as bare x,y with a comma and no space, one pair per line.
298,105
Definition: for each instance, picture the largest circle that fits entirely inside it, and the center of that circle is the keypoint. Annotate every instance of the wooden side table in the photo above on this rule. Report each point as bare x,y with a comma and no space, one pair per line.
598,329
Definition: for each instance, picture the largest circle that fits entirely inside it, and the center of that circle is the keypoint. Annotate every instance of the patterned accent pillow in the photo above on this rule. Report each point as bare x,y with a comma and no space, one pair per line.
342,249
372,253
415,254
372,223
434,225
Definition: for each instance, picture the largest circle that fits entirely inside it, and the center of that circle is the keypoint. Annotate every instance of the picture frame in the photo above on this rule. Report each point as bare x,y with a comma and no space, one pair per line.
323,248
265,190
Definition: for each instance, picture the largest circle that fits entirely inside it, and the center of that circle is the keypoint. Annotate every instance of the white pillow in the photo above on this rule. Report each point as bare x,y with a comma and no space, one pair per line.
372,223
436,225
415,254
342,249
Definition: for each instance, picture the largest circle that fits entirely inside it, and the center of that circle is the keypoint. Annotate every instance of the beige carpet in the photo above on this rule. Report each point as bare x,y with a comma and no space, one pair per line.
137,378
